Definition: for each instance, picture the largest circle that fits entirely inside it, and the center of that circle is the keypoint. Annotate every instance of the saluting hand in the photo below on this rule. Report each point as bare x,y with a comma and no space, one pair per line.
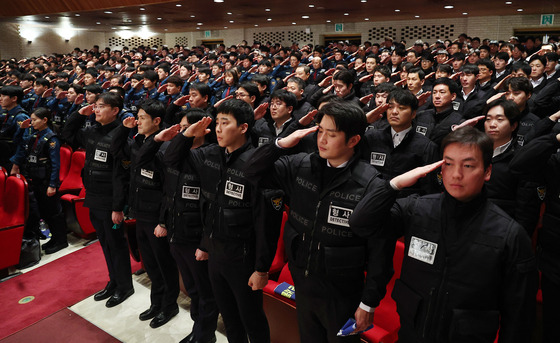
293,139
198,129
168,134
411,177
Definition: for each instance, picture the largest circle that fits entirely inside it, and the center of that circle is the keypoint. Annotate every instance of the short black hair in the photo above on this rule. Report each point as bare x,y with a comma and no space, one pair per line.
12,91
511,111
470,69
111,99
502,55
42,82
523,66
252,89
119,90
176,80
384,70
150,75
470,136
345,76
486,62
95,88
42,113
347,118
519,84
419,71
193,114
154,108
62,85
404,97
286,97
445,68
451,85
385,87
202,88
299,82
77,88
240,110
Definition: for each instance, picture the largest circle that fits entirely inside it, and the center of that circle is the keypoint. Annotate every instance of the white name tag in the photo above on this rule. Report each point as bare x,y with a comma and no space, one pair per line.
147,173
100,155
234,190
191,193
377,159
456,106
339,215
88,124
263,140
421,130
422,250
32,159
57,118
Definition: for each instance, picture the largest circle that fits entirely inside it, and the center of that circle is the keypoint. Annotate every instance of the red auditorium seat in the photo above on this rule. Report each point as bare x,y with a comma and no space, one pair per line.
77,216
386,321
72,183
3,177
280,257
65,159
281,311
13,213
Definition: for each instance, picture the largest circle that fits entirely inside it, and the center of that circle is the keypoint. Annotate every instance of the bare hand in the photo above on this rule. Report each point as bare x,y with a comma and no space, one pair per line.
293,139
363,320
430,75
376,114
495,97
198,129
326,81
400,82
288,77
260,111
25,124
106,85
182,100
47,93
328,89
330,71
167,134
51,191
15,170
87,110
258,280
411,177
117,217
130,122
79,99
61,95
366,99
470,122
200,255
365,78
422,98
160,231
456,75
162,88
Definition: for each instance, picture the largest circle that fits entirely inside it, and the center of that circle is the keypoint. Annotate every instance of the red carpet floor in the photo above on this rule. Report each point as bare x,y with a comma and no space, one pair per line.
62,326
54,286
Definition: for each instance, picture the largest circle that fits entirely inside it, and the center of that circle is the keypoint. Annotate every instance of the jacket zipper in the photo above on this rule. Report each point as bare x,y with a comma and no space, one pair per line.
311,242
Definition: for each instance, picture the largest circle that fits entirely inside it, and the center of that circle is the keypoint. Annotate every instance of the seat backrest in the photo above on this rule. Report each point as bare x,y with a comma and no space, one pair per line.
73,179
3,177
65,160
285,275
16,201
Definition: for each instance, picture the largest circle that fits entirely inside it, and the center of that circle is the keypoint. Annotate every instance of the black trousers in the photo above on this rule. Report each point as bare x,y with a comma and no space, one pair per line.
241,307
204,310
159,264
322,310
114,248
48,208
551,304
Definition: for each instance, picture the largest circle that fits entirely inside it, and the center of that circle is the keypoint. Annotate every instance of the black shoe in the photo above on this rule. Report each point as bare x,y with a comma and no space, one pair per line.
106,292
149,313
188,339
119,297
163,317
47,245
55,247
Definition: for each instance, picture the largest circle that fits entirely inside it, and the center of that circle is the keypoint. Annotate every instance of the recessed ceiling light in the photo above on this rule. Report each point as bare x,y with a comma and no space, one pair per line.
269,19
520,10
509,2
397,10
328,21
416,16
198,23
465,13
198,28
294,23
164,29
311,6
218,0
267,9
256,25
113,28
448,7
229,13
366,19
178,5
47,17
77,14
108,12
98,23
304,17
159,18
192,16
346,14
142,9
231,21
363,0
225,27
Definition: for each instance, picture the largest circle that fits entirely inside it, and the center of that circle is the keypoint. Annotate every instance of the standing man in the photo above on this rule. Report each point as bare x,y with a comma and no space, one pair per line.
104,180
468,264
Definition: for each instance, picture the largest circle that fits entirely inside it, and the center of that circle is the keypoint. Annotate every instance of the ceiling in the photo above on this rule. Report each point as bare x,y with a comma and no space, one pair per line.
180,16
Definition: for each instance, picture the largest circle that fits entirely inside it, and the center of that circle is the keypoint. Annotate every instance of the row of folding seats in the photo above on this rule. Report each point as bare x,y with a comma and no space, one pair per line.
14,208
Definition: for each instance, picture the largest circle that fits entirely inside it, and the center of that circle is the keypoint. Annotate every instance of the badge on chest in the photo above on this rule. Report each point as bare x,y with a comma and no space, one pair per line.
147,173
191,193
32,159
100,155
422,250
339,215
234,190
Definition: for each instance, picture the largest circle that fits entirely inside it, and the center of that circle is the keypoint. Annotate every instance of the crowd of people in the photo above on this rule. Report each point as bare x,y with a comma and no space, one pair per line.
451,145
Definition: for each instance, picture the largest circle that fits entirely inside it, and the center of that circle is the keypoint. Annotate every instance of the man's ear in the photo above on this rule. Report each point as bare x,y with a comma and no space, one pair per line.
290,109
454,96
244,127
157,121
488,173
353,141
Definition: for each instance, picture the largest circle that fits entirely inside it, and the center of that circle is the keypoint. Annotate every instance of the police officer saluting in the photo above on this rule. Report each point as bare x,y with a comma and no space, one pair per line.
38,155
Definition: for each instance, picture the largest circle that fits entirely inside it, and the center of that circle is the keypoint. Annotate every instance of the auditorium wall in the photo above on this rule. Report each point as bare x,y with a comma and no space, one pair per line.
48,40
